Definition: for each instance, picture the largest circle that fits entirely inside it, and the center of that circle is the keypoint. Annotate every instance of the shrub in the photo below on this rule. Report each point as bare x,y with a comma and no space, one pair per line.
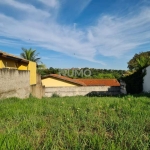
55,95
134,82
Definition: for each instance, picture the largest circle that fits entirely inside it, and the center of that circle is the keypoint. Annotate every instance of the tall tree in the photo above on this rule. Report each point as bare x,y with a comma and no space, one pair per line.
142,62
30,54
139,61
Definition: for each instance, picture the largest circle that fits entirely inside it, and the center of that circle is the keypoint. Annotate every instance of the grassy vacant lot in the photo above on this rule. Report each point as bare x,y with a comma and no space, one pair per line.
94,123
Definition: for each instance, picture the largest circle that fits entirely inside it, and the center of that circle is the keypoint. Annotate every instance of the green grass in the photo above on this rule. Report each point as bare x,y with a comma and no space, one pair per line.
74,123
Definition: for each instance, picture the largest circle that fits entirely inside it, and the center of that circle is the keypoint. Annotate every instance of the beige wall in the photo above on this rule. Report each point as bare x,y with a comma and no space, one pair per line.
146,83
52,82
14,83
82,90
37,90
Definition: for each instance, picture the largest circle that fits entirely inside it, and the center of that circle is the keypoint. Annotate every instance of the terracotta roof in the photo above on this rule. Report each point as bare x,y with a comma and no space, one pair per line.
99,82
86,82
64,78
10,56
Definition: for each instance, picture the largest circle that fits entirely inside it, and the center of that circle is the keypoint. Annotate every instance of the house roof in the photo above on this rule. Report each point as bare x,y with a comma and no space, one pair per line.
86,82
99,82
63,78
10,56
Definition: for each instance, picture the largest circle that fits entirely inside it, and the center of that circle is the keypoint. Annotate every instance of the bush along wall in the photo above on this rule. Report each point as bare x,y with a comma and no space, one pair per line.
134,82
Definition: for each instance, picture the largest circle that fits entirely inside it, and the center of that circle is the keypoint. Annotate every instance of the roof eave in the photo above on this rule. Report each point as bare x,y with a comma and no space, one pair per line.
13,58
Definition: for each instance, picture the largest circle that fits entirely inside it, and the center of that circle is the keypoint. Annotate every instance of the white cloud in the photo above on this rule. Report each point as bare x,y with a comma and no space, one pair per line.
50,3
83,5
52,57
114,36
111,36
26,8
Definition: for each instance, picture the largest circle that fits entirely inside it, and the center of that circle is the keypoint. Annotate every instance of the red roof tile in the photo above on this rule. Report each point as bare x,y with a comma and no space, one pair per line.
86,82
99,82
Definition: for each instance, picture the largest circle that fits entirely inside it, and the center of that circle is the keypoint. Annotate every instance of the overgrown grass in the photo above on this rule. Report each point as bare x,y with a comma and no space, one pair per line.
107,123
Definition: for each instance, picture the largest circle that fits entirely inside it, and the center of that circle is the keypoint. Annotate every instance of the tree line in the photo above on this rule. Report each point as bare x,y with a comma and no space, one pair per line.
95,73
138,62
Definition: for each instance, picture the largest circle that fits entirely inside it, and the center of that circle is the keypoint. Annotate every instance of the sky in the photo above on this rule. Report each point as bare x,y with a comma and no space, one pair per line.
101,34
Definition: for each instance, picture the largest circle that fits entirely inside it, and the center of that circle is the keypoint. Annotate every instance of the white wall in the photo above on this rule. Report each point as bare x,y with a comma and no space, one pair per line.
146,83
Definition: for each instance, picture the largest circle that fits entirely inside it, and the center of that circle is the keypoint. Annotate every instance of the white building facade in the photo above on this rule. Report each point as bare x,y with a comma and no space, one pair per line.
146,83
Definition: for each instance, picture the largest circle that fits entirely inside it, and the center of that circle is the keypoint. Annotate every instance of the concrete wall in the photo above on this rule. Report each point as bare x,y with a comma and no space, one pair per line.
14,64
52,82
32,68
123,87
146,83
83,90
14,83
37,90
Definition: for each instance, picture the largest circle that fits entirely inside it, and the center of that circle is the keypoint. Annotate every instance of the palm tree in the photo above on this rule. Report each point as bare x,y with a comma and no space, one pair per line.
30,54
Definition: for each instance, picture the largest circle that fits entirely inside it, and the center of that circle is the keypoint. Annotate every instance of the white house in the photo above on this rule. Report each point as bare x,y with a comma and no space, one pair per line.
146,83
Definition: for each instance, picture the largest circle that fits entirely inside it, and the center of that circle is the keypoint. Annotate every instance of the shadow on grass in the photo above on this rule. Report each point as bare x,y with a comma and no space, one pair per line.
111,94
141,95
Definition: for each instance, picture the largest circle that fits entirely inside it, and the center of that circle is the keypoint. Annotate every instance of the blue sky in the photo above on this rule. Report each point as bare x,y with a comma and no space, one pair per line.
77,33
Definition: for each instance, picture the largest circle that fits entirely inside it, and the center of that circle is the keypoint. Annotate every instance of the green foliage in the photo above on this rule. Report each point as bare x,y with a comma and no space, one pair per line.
139,61
95,73
106,76
55,95
51,70
107,123
30,54
134,82
41,66
142,62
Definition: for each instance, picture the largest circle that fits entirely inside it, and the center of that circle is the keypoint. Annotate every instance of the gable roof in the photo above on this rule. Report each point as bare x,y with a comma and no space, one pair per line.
99,82
85,82
10,56
63,78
